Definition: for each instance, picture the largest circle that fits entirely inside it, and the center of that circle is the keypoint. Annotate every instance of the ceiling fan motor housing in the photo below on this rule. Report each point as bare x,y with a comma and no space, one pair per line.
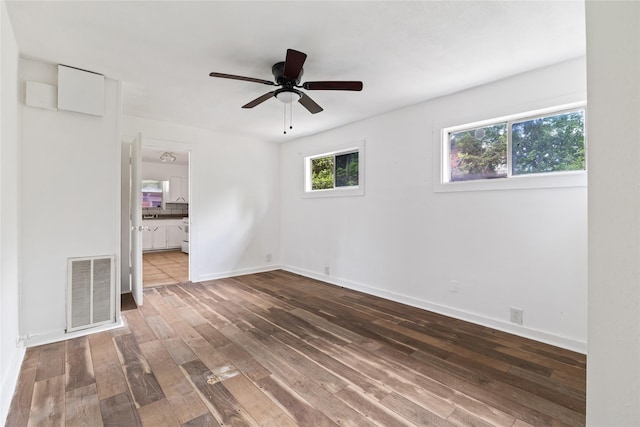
278,73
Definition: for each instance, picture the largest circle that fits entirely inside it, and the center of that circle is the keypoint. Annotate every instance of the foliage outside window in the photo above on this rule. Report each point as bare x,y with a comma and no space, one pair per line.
339,172
528,145
334,171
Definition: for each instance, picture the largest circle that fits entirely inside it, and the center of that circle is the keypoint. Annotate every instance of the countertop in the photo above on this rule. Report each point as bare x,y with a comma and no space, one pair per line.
161,217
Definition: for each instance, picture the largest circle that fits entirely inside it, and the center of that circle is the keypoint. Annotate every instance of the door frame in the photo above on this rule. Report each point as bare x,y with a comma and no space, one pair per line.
162,144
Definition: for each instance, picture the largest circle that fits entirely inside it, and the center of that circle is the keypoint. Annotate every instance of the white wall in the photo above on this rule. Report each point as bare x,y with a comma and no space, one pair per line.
401,240
70,198
10,354
613,66
234,205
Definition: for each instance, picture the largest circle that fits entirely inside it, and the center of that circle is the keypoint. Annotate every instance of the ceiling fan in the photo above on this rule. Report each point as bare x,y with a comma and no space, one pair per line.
287,75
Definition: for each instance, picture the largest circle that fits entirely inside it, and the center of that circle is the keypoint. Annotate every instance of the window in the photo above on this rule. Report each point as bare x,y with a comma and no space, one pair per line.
505,149
336,173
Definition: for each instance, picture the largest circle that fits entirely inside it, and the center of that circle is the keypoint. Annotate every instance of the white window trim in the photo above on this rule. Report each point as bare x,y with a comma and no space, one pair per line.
442,171
357,190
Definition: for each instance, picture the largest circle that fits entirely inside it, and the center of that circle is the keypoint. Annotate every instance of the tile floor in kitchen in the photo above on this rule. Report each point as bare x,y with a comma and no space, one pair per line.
164,268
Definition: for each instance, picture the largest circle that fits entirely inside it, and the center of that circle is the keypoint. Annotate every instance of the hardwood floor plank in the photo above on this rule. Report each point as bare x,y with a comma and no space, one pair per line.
278,349
79,365
299,409
469,382
110,380
119,411
212,335
138,326
394,380
313,371
186,403
160,328
179,351
464,419
142,382
341,369
108,372
158,414
205,420
193,318
244,361
371,409
51,361
47,403
83,407
21,403
413,412
222,404
314,393
259,406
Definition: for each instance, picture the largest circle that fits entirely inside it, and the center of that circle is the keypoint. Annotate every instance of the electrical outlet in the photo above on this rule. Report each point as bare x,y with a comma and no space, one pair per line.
327,271
268,257
516,315
454,287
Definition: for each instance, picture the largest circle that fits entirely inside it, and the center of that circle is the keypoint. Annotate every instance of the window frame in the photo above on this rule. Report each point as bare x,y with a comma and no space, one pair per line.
443,182
355,190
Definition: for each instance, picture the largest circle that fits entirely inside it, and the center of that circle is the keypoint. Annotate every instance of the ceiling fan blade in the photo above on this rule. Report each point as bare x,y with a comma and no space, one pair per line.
293,64
309,104
259,100
336,85
246,79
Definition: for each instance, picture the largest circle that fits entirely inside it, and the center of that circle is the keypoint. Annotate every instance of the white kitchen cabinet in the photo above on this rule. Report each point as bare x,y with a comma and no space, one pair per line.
160,237
175,236
178,189
154,237
162,234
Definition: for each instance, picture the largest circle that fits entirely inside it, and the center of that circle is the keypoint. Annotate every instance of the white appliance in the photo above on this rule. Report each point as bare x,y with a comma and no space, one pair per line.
185,240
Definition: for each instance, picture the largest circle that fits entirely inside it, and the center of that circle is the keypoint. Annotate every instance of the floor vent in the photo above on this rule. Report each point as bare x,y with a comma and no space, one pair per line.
90,292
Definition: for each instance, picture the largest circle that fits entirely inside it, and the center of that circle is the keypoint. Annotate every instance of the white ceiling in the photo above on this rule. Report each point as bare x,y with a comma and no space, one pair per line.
153,155
404,52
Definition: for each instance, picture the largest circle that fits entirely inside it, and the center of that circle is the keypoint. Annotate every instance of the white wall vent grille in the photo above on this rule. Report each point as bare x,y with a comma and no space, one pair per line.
90,292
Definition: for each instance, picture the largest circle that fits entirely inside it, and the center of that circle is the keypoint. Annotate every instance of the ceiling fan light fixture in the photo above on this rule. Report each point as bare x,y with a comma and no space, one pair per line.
288,96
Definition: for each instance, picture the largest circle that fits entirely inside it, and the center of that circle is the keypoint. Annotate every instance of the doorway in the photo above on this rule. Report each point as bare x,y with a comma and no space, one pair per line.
134,235
165,216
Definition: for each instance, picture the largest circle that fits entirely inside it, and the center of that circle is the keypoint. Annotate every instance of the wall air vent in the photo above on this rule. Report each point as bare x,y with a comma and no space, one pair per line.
90,292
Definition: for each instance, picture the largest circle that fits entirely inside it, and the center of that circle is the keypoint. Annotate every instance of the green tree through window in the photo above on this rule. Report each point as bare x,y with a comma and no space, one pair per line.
551,143
479,153
322,173
339,170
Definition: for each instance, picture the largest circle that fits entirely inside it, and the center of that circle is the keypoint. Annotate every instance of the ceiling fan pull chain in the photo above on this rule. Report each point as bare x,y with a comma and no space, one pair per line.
291,116
284,123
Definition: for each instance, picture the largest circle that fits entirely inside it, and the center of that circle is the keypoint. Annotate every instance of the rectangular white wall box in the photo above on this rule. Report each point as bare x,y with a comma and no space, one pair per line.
80,91
90,292
41,95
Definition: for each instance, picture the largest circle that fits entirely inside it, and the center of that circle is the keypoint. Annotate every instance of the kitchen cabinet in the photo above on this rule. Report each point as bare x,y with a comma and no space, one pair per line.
175,236
162,234
178,189
154,237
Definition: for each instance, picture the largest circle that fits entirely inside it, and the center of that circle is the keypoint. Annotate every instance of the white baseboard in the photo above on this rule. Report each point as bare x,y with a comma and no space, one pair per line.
534,334
9,383
55,336
233,273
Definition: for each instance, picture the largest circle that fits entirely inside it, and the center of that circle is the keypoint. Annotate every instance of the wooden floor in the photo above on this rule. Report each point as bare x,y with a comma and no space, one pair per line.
164,268
276,349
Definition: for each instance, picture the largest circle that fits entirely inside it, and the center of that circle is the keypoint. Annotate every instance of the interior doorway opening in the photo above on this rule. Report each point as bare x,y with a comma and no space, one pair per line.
165,216
168,163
